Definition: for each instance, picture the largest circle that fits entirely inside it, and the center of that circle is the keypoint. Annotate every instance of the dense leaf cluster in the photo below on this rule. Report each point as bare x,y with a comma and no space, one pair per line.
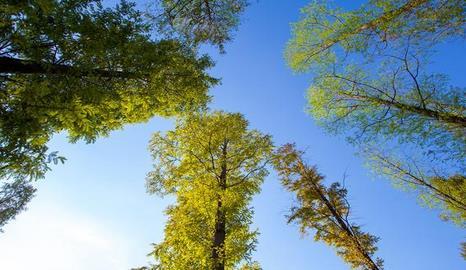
214,165
85,69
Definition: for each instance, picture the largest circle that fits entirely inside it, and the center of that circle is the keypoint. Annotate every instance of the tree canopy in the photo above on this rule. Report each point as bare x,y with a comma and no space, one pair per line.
197,21
213,164
372,83
86,69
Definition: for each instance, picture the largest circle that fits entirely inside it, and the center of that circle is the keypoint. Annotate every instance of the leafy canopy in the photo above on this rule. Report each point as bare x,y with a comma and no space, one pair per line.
213,164
372,83
199,21
78,67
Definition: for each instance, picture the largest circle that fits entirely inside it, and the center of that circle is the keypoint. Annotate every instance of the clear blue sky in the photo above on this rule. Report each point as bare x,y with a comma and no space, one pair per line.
93,213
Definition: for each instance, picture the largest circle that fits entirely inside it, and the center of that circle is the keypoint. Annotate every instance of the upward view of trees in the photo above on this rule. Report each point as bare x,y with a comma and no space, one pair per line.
87,68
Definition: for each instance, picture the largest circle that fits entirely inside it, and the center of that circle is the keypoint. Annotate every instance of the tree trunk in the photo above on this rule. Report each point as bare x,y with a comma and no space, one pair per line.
19,66
218,251
218,254
442,117
446,118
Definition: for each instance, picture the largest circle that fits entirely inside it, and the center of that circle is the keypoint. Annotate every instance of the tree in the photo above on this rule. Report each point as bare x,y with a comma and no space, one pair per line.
17,190
325,210
372,81
447,193
78,67
213,164
13,199
200,20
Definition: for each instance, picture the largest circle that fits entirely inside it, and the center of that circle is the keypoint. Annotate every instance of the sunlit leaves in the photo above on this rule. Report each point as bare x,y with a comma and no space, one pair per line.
213,165
76,66
436,190
372,81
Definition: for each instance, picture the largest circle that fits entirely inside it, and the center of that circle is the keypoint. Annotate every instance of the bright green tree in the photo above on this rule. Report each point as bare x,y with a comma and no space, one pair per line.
213,164
372,83
76,66
325,210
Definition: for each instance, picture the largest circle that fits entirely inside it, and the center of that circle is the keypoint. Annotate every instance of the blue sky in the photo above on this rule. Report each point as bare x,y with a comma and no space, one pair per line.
93,212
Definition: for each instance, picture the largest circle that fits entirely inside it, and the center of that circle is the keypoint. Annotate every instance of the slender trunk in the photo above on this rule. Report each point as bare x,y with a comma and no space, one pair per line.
19,66
346,228
446,118
218,251
218,254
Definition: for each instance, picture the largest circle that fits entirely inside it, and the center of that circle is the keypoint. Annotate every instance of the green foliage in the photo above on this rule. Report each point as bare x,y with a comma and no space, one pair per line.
324,210
213,165
201,20
78,67
251,266
324,30
372,81
463,250
455,205
13,199
447,193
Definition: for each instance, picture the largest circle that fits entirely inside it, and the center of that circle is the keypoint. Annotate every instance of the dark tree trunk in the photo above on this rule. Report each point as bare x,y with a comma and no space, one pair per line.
218,252
18,66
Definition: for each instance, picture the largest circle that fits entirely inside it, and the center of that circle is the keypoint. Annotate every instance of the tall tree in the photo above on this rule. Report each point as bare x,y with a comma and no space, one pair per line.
372,82
213,164
76,66
325,210
198,21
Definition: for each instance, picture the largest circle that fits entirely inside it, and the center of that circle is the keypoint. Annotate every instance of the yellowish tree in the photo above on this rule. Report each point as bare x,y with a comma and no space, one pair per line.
213,164
325,210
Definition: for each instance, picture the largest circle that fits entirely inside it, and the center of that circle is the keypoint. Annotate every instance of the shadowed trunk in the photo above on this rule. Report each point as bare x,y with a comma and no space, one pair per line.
18,66
218,252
